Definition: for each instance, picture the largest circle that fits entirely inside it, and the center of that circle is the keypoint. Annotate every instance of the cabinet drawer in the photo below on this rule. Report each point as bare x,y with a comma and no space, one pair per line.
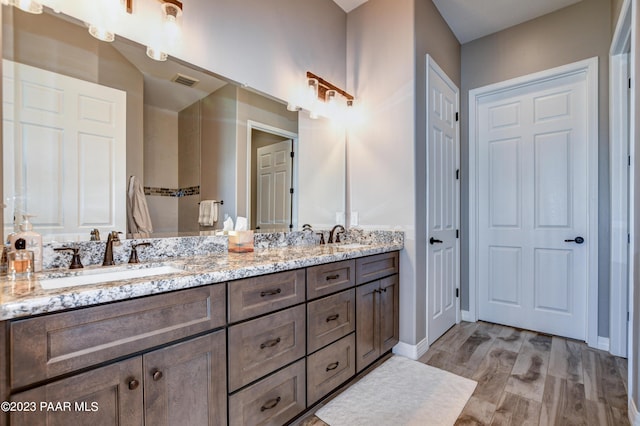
329,368
329,278
56,344
260,346
373,267
272,401
260,295
330,318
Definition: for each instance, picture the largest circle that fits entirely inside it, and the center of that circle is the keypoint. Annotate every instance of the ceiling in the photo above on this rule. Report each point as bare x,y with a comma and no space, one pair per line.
472,19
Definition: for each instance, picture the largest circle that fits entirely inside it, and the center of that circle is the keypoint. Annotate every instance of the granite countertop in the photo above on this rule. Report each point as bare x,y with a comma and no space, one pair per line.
24,298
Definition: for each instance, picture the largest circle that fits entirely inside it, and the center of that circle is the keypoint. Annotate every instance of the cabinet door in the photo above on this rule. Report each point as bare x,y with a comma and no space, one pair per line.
389,315
185,384
106,396
367,329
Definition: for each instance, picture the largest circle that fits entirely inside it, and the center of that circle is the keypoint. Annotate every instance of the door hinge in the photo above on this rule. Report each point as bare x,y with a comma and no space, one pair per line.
628,238
457,233
457,116
290,190
629,161
629,83
292,154
457,174
457,292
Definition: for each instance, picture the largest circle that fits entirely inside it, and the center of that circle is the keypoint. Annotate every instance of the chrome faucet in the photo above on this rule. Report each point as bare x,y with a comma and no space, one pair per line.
336,231
112,240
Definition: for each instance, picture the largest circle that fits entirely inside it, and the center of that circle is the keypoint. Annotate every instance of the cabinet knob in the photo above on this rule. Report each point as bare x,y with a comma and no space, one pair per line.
133,384
157,375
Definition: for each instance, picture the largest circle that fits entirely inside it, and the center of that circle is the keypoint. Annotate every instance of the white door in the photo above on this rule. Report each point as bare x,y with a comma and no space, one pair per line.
533,206
66,142
274,184
442,201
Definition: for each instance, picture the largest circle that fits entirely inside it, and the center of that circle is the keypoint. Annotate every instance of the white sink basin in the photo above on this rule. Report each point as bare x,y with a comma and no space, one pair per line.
349,246
96,276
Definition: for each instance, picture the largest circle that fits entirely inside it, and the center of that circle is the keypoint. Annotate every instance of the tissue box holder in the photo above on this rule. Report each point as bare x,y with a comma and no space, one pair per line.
240,241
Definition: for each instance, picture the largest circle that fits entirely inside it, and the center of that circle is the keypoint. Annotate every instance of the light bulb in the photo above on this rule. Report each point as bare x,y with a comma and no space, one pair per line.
30,6
156,54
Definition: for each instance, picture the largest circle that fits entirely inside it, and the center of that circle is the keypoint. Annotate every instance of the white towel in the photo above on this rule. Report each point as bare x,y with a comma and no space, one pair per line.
208,213
139,219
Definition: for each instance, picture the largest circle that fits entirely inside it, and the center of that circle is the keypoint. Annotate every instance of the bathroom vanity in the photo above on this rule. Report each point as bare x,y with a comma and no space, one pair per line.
238,339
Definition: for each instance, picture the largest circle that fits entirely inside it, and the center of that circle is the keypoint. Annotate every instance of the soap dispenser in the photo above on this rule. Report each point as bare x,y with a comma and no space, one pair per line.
33,241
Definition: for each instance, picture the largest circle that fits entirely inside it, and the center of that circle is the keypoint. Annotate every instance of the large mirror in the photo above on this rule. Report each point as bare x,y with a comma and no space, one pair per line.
176,132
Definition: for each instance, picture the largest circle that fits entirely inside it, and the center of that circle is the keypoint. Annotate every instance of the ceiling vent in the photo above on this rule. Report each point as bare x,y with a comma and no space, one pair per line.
185,80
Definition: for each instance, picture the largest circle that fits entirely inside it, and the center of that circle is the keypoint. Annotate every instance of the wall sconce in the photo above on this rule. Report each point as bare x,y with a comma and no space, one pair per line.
323,98
169,32
30,6
107,12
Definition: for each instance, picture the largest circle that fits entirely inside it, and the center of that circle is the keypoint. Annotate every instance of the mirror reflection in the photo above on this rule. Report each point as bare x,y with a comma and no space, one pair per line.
84,117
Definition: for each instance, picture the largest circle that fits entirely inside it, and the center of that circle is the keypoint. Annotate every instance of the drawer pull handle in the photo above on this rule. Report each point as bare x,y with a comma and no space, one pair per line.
133,384
270,292
270,343
157,375
333,317
333,365
270,404
333,277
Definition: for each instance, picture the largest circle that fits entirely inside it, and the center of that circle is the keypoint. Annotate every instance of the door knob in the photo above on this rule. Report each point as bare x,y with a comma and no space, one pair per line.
577,240
433,241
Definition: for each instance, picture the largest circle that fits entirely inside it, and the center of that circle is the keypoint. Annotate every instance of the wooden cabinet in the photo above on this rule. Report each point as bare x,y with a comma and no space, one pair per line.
265,348
377,319
110,395
260,295
185,383
273,400
330,367
48,346
330,318
330,278
262,345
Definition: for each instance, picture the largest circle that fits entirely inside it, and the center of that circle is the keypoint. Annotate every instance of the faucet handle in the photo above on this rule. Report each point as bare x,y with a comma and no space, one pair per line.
75,259
115,239
95,234
133,258
321,237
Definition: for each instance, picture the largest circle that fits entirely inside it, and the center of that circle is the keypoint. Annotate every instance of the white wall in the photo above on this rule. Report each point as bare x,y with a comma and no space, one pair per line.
382,186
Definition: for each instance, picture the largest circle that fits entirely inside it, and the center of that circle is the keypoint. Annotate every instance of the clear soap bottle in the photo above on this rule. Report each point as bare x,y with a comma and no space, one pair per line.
33,241
20,261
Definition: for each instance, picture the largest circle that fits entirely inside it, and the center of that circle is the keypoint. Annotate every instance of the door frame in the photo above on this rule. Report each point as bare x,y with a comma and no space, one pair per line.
432,64
251,125
589,67
619,96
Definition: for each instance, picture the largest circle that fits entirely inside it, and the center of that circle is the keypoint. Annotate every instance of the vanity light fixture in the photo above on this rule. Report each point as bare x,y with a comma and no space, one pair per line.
170,30
323,98
30,6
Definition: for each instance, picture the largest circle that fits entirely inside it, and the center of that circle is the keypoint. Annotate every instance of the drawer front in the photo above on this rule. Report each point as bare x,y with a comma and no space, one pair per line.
329,368
271,401
56,344
371,268
260,295
329,278
258,347
330,318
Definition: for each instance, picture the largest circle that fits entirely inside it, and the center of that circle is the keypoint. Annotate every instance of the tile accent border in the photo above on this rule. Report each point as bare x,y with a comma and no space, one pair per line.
172,192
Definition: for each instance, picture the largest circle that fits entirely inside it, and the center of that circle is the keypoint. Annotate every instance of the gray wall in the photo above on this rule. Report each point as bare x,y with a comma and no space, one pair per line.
571,34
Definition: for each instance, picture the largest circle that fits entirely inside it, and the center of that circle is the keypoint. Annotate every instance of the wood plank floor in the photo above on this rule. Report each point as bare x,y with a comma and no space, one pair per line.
527,378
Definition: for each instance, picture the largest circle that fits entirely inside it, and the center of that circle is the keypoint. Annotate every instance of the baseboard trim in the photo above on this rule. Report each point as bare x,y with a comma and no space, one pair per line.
466,316
634,415
603,343
411,351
